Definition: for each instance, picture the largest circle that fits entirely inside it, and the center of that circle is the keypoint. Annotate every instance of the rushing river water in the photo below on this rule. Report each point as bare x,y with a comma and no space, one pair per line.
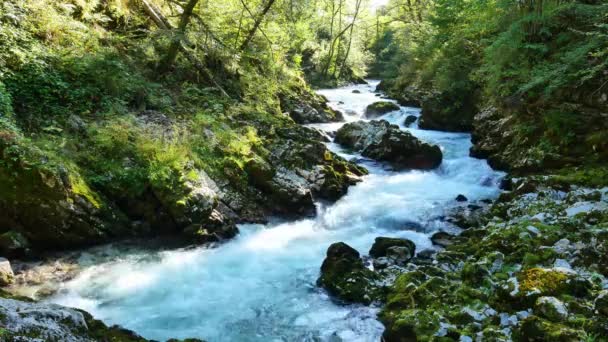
261,285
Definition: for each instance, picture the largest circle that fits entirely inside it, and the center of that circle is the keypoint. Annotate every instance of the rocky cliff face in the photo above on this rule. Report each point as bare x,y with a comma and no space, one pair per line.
530,143
51,201
47,205
441,111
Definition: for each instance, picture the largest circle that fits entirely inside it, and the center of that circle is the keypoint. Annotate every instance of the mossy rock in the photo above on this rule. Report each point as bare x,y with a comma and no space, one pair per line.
534,328
14,244
474,273
410,326
549,282
380,108
344,276
382,244
51,200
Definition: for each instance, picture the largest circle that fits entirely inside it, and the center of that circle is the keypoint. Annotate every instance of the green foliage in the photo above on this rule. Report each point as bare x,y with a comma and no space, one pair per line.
6,102
45,92
509,49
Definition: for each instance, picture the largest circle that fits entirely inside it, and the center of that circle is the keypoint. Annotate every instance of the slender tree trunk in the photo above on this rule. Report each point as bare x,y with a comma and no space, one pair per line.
238,32
330,56
350,38
176,40
256,24
331,37
338,50
162,22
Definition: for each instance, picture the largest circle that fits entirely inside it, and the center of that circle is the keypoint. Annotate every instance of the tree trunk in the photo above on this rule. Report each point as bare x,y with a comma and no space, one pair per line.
256,24
164,24
176,41
350,38
330,56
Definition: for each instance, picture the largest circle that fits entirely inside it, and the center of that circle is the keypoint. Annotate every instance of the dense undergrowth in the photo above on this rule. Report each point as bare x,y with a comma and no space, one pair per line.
542,65
96,118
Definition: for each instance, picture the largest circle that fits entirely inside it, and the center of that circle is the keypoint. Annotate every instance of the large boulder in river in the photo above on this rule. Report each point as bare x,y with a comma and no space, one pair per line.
382,141
344,275
382,244
380,108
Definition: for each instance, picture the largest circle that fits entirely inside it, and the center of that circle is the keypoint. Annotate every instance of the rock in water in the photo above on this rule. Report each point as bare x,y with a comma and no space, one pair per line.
382,141
410,119
343,275
6,272
442,239
381,246
380,108
356,91
461,198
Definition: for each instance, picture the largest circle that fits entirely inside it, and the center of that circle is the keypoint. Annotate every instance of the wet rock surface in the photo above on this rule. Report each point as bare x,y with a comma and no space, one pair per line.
6,272
29,321
381,246
344,275
307,107
528,268
409,120
382,141
380,108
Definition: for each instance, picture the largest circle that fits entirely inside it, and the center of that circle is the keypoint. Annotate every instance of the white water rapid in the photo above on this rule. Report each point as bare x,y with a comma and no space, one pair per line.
261,285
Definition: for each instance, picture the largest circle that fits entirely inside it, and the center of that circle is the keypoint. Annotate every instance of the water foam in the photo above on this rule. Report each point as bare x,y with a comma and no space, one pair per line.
261,285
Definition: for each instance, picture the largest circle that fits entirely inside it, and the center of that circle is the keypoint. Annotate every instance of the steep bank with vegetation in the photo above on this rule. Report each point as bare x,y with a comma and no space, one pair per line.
121,119
533,74
529,80
152,118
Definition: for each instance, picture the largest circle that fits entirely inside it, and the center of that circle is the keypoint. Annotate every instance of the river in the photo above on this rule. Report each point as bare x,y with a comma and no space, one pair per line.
261,285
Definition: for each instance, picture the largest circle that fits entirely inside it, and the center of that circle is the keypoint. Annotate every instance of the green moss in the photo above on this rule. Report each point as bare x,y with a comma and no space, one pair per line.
547,282
81,188
380,108
590,175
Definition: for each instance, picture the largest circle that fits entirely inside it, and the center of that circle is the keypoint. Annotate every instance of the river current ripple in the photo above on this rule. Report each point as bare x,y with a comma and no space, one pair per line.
261,285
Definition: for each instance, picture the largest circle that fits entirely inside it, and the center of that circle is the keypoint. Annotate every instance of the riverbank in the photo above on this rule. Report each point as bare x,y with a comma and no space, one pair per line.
247,281
461,283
